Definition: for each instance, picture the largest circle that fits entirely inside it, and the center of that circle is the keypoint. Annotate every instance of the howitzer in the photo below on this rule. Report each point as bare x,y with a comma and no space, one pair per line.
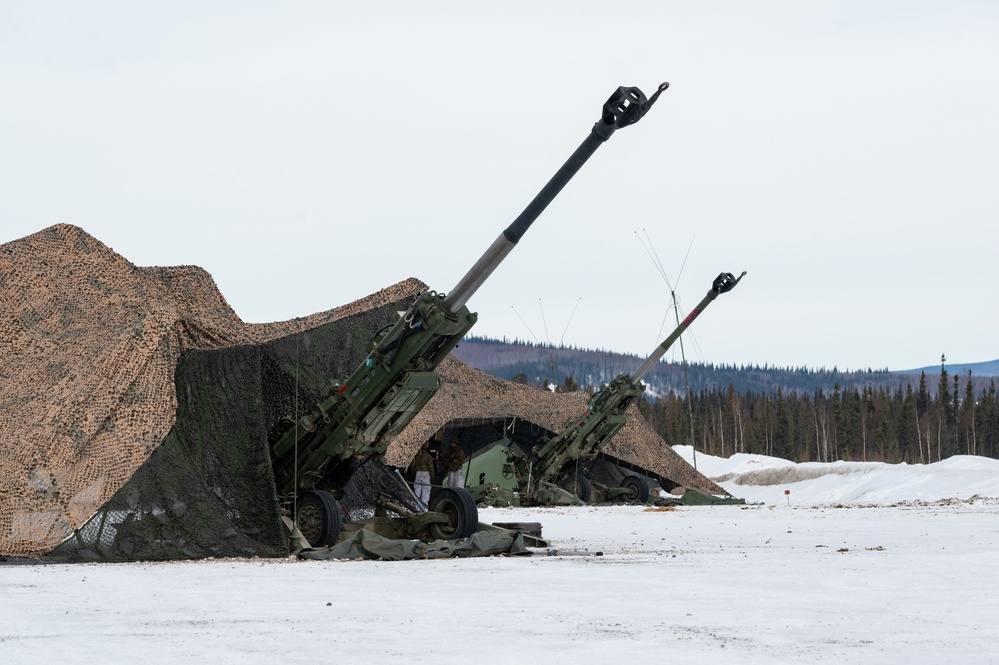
316,453
552,468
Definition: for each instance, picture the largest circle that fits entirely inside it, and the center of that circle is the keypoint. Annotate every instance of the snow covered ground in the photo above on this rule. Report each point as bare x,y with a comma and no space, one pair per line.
759,478
860,563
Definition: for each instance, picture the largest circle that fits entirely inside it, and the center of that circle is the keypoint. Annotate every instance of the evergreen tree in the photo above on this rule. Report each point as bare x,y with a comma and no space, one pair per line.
955,410
838,420
873,424
783,436
908,426
923,419
867,425
923,396
569,385
967,418
989,422
944,418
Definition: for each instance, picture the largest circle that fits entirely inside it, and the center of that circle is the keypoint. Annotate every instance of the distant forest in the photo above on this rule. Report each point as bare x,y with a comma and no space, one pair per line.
798,414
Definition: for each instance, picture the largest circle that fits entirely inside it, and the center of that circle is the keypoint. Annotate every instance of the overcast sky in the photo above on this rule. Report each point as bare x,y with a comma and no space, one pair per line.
306,154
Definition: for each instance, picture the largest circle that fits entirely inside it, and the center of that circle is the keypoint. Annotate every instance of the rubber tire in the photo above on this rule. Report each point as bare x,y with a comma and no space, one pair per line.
638,488
578,484
463,514
318,517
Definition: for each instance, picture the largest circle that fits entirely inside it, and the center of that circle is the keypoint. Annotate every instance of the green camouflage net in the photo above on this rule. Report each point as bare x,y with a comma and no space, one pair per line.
208,489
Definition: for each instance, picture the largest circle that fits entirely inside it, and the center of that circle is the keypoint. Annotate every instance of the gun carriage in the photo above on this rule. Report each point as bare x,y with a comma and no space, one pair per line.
314,456
555,471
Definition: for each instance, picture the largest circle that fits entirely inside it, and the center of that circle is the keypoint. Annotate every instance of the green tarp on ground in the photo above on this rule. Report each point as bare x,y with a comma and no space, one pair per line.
695,497
369,545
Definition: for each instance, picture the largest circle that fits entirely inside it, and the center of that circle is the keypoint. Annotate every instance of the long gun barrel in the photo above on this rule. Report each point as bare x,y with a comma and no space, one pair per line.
724,283
625,107
583,437
361,416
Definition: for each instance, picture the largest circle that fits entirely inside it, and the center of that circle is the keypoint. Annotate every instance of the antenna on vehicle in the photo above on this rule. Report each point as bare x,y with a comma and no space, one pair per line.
536,340
544,321
654,255
525,324
572,314
548,343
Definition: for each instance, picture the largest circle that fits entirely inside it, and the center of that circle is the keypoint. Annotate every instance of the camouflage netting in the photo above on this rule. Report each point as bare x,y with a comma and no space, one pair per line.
90,345
494,398
136,405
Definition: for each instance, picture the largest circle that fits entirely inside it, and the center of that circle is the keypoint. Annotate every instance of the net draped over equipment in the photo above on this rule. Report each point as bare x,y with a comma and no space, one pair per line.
135,406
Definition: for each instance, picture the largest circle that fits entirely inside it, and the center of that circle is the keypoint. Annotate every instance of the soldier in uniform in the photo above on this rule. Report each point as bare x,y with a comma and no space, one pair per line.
454,459
423,465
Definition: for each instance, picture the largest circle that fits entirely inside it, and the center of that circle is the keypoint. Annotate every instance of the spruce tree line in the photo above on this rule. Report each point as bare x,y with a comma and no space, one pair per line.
867,415
904,424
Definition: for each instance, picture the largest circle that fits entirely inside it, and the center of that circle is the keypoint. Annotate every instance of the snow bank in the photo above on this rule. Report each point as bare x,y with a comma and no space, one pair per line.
758,478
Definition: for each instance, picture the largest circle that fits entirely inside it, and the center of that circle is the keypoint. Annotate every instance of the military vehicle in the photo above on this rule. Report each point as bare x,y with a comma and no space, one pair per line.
556,470
314,456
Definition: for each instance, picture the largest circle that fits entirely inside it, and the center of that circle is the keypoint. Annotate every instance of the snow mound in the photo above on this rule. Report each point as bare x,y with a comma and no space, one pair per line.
758,478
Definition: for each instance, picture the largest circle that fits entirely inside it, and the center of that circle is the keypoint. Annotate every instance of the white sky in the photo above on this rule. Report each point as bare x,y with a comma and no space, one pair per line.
309,153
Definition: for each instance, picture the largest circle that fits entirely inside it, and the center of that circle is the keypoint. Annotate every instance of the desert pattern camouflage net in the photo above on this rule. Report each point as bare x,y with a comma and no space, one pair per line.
467,395
135,405
90,344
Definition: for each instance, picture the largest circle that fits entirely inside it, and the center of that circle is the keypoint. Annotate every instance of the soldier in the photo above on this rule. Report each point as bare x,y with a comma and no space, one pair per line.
453,461
423,465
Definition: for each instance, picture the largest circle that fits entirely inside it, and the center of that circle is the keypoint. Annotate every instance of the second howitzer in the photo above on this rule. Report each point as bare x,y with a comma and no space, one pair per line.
554,471
314,456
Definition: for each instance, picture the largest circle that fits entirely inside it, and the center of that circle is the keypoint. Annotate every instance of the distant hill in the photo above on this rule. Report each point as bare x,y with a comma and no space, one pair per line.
989,368
539,363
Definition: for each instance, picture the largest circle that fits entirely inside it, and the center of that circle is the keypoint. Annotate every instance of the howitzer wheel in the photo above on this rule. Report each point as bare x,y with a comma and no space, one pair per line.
318,517
637,487
459,507
578,485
